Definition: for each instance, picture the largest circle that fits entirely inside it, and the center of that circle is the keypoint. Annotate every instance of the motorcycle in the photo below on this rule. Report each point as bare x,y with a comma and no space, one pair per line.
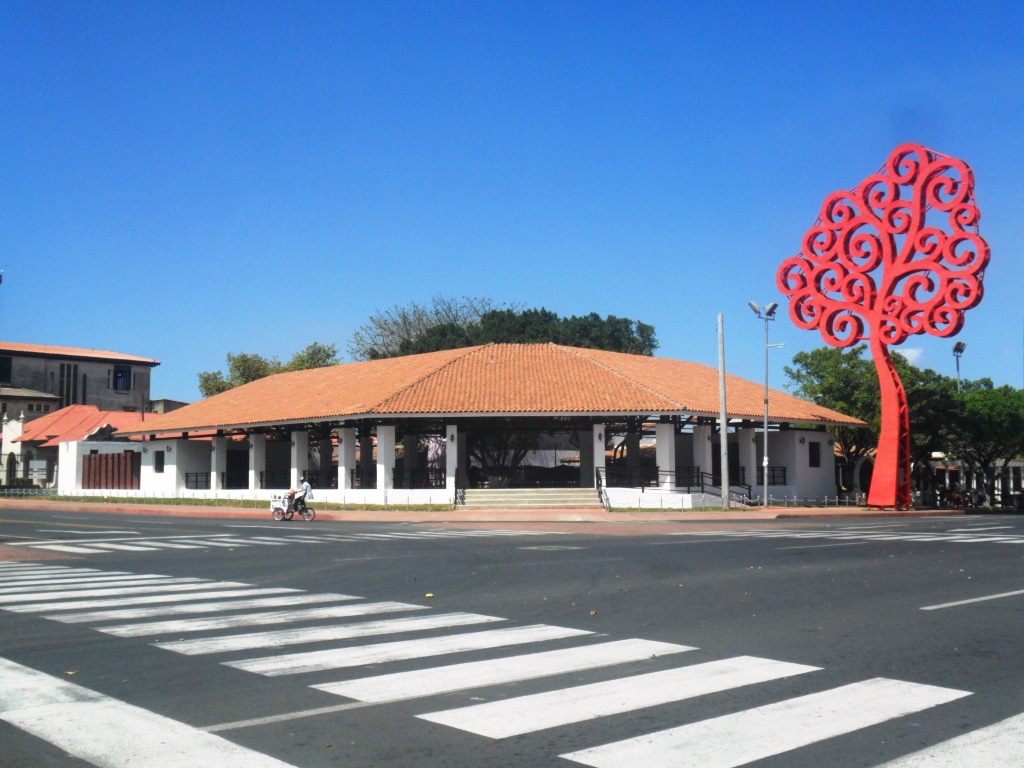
283,508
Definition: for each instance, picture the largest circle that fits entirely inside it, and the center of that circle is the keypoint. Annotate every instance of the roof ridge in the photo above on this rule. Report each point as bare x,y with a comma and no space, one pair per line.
424,377
579,350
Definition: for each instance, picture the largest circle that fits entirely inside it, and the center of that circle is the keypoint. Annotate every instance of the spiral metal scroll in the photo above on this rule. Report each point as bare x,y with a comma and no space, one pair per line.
874,267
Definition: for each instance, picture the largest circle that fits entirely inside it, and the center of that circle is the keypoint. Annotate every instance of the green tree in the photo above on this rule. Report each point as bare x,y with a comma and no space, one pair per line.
843,380
451,324
246,367
988,429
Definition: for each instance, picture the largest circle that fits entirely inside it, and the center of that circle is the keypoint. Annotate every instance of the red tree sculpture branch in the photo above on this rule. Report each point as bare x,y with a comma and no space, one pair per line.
872,268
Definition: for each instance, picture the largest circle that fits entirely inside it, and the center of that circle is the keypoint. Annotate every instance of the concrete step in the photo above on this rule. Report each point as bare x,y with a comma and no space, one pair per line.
531,498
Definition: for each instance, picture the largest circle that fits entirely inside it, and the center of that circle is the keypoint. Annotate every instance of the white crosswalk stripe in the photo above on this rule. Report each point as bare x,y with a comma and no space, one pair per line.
192,608
108,732
143,544
865,535
128,581
79,605
525,714
181,626
282,637
737,739
80,593
478,674
996,746
125,605
382,653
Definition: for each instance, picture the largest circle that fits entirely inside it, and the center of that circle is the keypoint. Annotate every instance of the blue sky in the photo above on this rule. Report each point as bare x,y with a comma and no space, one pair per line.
183,180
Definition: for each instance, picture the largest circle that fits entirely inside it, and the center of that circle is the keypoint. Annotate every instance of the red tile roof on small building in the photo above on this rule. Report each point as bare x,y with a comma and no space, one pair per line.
77,353
494,379
75,422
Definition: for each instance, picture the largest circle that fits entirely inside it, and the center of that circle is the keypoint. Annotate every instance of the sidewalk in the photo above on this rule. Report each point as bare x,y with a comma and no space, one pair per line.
588,515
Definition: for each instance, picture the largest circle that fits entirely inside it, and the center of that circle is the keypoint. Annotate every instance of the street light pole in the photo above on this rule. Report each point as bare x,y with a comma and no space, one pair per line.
958,351
767,314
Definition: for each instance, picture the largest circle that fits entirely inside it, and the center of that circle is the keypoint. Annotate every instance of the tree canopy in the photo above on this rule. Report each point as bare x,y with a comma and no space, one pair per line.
981,425
245,367
453,323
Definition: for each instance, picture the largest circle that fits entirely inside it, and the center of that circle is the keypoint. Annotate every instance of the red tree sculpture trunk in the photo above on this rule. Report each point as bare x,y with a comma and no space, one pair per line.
873,268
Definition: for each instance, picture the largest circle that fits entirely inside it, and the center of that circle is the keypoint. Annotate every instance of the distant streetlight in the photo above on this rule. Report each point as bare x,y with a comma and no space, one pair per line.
767,314
958,351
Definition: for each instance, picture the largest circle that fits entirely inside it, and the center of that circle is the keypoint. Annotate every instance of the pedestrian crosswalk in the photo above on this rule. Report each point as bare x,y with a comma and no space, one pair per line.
222,622
128,543
961,536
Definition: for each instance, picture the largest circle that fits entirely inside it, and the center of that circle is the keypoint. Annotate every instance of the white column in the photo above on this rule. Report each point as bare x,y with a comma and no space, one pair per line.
385,457
346,456
299,462
665,454
257,459
586,458
748,456
218,462
702,448
69,469
451,456
598,438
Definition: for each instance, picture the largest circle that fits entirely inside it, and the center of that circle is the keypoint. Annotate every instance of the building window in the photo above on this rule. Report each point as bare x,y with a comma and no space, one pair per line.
68,384
46,408
814,454
31,407
5,370
158,461
122,378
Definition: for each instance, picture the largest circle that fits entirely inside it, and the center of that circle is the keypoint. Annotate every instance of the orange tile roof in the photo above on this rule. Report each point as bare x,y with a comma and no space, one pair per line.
490,379
75,422
45,350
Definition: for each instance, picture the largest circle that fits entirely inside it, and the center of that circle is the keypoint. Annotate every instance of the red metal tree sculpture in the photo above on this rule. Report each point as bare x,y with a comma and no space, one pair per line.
872,268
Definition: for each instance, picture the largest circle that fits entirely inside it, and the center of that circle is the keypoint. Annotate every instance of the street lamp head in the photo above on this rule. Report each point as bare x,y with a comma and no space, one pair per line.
959,347
769,311
755,306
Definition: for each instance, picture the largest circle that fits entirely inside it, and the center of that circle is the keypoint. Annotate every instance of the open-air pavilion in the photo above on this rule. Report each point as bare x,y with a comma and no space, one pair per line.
430,427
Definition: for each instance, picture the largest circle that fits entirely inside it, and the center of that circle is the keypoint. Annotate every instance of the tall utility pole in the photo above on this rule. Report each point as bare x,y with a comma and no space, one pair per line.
767,314
958,351
723,418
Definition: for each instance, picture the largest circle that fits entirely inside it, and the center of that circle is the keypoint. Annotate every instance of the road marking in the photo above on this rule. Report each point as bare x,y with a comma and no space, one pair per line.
526,714
176,626
108,732
417,683
62,576
270,719
401,650
80,533
319,634
117,581
972,600
104,545
975,528
733,740
67,548
8,599
77,605
998,746
214,607
824,546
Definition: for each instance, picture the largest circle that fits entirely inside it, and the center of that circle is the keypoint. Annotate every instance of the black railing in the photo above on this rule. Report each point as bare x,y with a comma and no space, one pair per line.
420,478
525,476
197,481
359,479
275,479
776,476
687,479
234,481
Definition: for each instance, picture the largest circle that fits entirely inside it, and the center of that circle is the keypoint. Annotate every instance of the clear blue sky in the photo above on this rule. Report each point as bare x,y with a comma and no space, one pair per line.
183,180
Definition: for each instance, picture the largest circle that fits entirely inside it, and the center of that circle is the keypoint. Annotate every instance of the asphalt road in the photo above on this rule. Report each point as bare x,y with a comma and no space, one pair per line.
790,644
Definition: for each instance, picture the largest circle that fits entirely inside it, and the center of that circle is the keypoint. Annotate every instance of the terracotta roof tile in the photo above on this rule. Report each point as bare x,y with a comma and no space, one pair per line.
45,350
75,422
490,379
